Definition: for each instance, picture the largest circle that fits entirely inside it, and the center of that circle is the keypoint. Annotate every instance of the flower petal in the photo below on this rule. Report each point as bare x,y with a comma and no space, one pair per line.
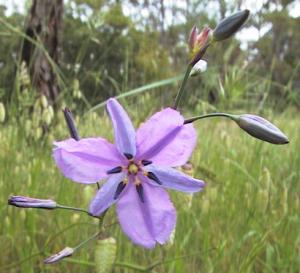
86,160
164,139
104,198
149,222
173,179
124,130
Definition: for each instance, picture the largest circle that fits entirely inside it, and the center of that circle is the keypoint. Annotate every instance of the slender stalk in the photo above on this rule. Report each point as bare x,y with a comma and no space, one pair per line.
182,86
101,220
190,120
94,236
72,208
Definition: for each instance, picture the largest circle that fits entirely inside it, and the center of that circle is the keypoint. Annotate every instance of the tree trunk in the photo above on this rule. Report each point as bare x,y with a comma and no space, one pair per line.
43,25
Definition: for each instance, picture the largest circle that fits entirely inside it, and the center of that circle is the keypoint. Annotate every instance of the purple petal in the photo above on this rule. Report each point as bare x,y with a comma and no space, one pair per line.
104,198
86,160
173,179
150,222
124,130
164,139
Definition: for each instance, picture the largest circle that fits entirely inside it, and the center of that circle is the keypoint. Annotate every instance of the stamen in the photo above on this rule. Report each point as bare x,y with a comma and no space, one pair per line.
140,191
115,170
146,162
128,156
153,177
120,188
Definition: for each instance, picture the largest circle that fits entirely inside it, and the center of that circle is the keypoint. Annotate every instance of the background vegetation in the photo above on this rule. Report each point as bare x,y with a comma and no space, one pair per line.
246,220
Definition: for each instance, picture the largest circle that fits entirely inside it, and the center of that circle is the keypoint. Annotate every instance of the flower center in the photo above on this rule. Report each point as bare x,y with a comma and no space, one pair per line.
133,168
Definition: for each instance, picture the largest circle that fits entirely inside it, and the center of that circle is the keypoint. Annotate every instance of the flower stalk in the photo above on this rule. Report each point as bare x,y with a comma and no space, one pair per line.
182,86
255,126
211,115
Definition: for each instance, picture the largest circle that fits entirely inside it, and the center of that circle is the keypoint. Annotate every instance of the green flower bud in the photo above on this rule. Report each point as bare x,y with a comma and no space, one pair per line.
105,254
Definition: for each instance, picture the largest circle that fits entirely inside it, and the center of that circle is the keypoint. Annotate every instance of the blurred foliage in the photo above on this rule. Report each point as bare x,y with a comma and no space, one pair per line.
109,47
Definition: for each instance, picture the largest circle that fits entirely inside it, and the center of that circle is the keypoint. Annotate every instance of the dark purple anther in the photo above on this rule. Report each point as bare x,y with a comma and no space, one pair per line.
140,191
115,170
128,156
146,162
120,188
153,177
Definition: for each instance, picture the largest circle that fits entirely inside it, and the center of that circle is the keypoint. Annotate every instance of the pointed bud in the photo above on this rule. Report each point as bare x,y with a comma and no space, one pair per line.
193,37
198,43
66,252
28,202
71,125
262,129
198,68
230,25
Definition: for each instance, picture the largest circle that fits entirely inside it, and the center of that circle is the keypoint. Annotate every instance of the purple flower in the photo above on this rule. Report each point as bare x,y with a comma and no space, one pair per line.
28,202
137,168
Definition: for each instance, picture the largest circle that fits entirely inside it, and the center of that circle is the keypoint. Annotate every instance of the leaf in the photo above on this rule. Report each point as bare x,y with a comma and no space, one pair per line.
139,90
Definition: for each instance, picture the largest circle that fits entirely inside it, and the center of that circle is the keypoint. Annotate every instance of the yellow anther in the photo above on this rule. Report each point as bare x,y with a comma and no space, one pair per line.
145,173
137,181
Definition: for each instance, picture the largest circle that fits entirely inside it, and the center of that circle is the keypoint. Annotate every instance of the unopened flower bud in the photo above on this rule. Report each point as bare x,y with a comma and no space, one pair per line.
198,43
262,129
66,252
105,254
230,25
28,202
70,122
198,68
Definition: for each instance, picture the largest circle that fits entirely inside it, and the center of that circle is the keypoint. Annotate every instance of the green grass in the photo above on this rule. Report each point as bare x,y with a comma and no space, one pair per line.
246,220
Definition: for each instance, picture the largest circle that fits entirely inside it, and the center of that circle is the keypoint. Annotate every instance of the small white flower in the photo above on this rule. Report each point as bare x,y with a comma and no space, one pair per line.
198,68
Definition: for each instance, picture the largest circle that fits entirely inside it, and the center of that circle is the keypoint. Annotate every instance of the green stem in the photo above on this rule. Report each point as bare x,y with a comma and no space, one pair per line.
87,240
182,86
72,208
190,120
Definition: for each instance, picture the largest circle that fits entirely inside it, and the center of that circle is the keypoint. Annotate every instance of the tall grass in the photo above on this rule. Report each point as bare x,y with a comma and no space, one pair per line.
246,220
